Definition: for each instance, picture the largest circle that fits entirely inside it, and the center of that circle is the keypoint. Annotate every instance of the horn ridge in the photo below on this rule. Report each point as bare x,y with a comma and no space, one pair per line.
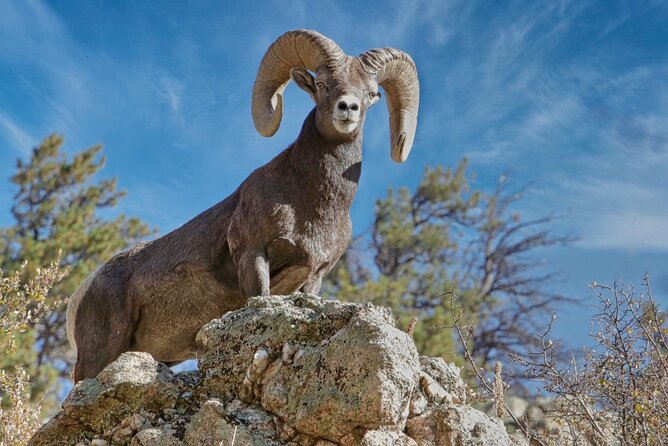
300,48
396,73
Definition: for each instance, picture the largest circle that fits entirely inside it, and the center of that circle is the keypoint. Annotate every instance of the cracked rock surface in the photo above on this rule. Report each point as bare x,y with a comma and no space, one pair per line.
284,370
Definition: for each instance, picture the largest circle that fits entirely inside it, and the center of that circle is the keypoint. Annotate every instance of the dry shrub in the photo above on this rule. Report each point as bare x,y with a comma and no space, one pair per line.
613,394
617,392
22,304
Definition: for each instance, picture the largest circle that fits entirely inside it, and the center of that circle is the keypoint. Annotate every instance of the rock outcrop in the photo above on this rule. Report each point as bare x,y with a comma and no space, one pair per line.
297,370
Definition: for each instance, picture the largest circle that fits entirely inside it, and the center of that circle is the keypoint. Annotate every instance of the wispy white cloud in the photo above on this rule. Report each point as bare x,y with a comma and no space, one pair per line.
611,177
20,140
51,70
618,203
508,86
170,91
402,22
555,115
590,134
494,153
641,134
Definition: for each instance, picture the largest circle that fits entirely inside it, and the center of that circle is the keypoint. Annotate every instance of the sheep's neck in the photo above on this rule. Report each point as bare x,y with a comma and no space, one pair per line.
329,169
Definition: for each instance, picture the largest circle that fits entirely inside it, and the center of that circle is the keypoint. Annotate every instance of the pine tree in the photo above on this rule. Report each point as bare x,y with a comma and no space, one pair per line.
446,240
59,206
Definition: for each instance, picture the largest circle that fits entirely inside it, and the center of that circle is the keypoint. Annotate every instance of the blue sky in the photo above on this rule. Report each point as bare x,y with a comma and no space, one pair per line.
569,97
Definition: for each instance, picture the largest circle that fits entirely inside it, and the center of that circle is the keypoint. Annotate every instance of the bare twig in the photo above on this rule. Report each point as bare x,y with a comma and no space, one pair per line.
411,326
456,316
619,392
499,390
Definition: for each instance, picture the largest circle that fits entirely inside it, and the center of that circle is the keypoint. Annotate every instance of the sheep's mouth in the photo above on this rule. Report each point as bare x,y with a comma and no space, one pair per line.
346,125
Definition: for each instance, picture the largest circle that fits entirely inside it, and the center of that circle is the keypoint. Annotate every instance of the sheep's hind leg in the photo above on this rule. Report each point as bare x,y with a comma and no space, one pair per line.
253,274
103,331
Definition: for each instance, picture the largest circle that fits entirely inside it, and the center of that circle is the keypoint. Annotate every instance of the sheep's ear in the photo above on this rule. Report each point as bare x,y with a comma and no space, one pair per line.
305,81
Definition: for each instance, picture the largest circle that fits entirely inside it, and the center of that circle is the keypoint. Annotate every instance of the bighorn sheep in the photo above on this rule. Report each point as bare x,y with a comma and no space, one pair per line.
284,227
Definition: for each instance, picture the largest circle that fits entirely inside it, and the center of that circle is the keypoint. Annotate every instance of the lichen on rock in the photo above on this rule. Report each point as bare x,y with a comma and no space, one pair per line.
283,371
351,368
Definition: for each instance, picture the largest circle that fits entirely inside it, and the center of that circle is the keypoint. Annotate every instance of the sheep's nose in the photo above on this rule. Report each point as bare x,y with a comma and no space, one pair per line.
348,104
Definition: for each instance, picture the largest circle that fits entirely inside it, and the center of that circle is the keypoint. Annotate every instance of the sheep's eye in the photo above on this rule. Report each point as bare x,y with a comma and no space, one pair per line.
320,85
374,94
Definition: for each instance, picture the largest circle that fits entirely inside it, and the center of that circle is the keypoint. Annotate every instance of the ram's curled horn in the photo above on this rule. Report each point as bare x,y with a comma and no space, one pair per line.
396,73
295,49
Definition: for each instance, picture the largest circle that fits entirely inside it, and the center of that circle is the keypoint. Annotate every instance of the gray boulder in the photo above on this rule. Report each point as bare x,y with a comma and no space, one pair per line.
457,425
282,371
132,383
325,367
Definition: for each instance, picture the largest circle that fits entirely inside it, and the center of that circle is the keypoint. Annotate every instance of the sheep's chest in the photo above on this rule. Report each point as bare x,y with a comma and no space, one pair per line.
311,239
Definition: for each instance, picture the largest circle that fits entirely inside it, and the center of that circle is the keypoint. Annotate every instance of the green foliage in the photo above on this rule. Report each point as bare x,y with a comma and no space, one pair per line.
447,238
22,303
58,205
413,251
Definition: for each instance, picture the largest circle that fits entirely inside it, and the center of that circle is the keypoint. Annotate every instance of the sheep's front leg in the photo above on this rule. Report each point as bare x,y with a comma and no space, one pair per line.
313,284
253,269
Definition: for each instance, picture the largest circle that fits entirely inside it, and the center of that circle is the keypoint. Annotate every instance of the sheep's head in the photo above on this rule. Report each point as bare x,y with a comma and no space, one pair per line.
343,87
342,97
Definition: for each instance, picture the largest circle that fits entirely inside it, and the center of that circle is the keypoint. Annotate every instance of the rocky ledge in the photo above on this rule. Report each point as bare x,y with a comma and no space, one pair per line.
296,370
